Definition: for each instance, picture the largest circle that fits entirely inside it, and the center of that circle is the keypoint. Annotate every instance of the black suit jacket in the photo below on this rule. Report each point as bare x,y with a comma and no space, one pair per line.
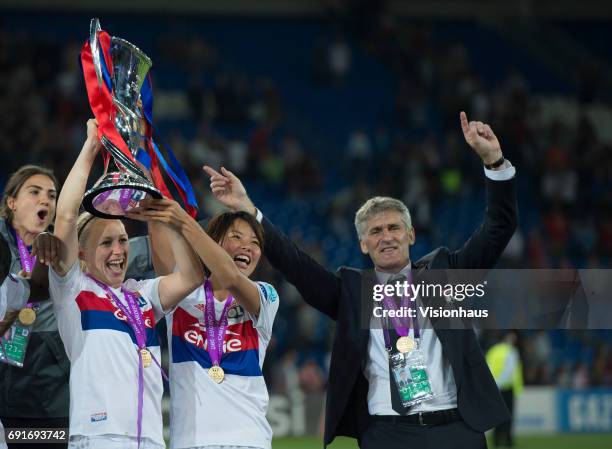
340,295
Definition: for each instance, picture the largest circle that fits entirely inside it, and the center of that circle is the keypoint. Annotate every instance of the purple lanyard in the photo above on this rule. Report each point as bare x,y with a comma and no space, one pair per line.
401,325
134,318
215,330
27,261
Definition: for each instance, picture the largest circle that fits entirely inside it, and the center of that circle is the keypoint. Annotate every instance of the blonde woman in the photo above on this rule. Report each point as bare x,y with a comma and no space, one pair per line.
107,323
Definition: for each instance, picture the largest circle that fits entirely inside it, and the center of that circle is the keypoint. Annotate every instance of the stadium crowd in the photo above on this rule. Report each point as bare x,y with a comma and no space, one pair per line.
415,155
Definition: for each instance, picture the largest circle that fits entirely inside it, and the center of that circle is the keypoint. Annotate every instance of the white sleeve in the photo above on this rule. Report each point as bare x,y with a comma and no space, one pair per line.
268,306
16,291
506,172
65,288
149,289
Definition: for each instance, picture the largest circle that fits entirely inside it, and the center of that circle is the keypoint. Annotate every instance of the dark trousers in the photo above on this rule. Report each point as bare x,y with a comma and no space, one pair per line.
455,435
502,434
36,423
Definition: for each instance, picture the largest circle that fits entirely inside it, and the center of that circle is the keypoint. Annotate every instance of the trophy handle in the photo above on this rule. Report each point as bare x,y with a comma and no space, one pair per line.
94,29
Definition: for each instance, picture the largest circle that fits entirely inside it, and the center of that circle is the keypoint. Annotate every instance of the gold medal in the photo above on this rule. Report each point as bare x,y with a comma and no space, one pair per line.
146,357
216,373
27,316
405,344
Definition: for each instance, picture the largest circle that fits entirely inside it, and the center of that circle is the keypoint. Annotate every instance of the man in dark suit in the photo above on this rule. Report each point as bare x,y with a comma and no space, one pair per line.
362,398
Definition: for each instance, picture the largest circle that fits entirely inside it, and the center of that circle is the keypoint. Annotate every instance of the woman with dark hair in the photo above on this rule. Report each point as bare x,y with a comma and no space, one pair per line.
107,323
36,394
15,291
218,335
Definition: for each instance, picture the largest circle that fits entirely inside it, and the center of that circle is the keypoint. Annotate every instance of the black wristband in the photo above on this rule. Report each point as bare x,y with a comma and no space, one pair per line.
495,164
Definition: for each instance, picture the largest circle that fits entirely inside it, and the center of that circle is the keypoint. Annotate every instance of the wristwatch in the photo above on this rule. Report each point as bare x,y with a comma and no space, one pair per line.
495,164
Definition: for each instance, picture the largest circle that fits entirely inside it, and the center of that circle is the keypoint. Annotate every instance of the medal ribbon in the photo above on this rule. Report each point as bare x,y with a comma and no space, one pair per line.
27,261
134,318
215,330
401,325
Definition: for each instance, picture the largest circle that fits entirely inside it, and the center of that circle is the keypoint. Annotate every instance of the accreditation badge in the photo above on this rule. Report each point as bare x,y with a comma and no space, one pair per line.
15,343
410,377
15,340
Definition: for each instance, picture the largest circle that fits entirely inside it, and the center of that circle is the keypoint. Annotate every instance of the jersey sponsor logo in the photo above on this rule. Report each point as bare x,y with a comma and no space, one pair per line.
240,345
268,292
238,336
97,417
196,336
98,312
149,320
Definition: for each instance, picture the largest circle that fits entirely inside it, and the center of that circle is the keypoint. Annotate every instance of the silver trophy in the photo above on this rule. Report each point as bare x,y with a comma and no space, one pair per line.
116,193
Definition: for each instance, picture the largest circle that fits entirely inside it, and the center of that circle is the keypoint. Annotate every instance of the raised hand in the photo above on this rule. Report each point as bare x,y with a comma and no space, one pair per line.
228,189
481,138
161,210
46,248
92,145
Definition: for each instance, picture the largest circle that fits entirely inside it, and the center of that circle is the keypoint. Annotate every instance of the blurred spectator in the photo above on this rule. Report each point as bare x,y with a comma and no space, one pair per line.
339,59
581,377
505,365
358,153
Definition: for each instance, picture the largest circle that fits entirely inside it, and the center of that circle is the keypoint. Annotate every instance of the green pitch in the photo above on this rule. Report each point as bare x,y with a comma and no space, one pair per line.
568,441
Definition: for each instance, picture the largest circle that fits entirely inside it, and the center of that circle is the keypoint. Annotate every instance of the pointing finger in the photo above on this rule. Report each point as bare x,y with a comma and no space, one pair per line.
464,123
211,171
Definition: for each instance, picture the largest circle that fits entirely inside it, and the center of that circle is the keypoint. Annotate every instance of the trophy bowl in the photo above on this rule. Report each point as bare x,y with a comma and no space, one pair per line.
116,193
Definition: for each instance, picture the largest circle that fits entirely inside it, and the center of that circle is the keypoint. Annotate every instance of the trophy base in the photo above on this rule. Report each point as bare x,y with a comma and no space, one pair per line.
116,194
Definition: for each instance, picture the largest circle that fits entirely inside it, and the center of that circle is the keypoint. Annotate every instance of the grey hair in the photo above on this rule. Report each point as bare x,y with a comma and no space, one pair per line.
376,205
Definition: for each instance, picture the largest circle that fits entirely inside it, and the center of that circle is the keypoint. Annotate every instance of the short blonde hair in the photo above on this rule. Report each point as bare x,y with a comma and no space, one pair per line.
82,223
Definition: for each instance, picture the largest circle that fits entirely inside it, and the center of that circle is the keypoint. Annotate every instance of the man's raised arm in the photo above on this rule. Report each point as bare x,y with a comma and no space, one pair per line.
319,287
486,245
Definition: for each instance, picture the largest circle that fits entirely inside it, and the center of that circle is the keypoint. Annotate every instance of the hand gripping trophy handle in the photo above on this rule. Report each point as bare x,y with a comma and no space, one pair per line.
115,193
